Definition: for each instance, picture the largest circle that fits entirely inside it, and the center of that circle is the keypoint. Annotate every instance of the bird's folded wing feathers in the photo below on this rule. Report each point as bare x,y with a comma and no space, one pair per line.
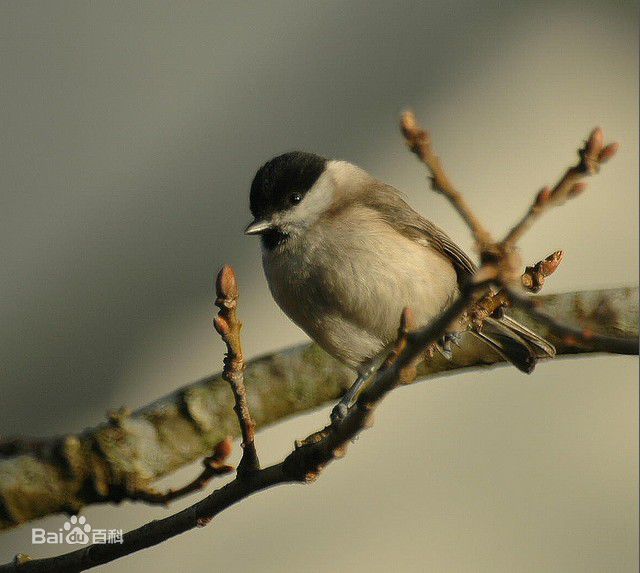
401,217
511,339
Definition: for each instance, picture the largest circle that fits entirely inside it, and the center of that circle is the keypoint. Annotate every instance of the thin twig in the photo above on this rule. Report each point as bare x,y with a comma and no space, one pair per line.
419,142
213,466
407,324
228,327
591,156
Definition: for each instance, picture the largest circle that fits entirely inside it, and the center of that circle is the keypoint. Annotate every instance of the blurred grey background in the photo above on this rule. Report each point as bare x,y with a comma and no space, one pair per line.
130,134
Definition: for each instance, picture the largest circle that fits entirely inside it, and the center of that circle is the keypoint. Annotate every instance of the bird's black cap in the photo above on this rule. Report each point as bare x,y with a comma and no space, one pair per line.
280,178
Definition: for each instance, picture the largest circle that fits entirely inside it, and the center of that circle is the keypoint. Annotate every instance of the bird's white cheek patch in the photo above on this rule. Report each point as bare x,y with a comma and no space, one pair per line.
315,202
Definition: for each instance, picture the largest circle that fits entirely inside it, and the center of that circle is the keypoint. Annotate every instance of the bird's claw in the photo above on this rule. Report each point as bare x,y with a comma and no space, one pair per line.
444,346
339,412
455,337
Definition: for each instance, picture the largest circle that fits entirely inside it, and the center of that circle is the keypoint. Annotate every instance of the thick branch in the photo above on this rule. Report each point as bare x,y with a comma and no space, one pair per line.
113,460
583,336
303,464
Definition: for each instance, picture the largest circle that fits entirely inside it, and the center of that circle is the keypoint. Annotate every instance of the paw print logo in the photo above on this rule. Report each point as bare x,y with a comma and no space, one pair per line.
78,529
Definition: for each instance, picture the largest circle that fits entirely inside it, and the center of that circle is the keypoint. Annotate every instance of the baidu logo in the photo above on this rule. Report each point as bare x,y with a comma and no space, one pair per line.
76,531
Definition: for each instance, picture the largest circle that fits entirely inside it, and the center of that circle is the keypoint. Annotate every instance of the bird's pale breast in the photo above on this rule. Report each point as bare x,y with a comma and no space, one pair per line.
347,285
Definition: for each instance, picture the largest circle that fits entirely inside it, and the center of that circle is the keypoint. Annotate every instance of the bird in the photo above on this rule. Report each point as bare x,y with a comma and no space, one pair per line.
343,254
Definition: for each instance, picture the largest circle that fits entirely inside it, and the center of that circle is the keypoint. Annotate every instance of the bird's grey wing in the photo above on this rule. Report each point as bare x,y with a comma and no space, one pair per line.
441,241
513,340
399,215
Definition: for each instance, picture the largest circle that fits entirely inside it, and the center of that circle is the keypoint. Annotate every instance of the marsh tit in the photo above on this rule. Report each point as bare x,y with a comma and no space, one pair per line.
343,254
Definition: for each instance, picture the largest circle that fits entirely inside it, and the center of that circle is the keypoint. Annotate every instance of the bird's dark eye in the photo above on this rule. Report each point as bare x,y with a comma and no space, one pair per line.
295,198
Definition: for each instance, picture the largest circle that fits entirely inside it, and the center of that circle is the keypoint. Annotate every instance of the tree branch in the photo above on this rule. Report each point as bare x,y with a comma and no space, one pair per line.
575,336
114,460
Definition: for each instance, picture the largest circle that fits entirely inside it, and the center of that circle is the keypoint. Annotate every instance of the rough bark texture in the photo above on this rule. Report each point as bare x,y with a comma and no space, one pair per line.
133,449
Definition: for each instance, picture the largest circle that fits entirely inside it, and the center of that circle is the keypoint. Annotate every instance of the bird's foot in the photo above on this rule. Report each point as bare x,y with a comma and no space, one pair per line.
339,412
349,398
445,345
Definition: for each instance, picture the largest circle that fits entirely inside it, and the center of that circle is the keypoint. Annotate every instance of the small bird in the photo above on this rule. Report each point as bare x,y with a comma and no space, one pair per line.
344,254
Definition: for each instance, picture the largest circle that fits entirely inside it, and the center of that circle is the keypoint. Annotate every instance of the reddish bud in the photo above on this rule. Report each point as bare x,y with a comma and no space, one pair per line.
221,326
407,321
576,189
543,197
223,449
595,142
226,285
408,122
413,133
608,152
551,263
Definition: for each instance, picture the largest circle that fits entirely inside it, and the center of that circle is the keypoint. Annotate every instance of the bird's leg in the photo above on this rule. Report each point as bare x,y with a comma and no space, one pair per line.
349,397
444,346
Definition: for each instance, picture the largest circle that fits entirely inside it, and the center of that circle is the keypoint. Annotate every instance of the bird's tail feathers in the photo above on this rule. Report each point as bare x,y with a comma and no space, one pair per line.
543,348
514,342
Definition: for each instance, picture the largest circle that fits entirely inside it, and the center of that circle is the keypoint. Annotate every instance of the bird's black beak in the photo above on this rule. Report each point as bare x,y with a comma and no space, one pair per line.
258,227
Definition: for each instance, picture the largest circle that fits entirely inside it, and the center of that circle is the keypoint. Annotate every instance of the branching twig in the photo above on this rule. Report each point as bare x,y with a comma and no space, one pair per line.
500,259
213,466
591,157
531,279
228,326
